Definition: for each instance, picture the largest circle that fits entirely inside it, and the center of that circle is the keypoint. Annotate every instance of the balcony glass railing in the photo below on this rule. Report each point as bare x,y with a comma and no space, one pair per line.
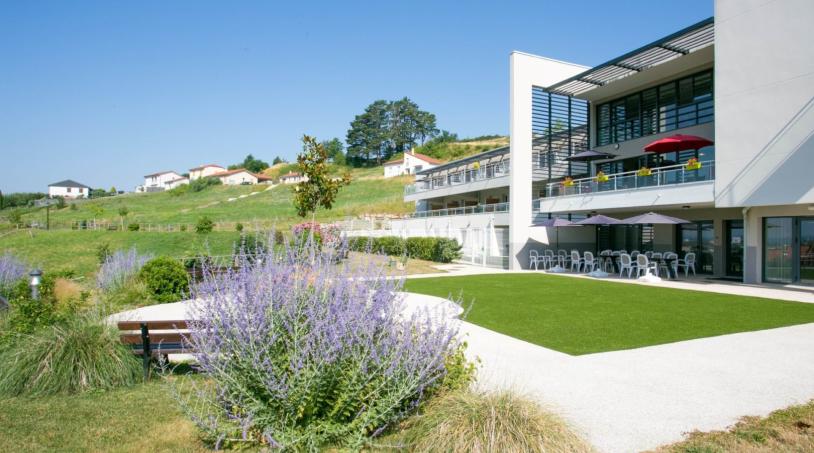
490,171
467,210
663,176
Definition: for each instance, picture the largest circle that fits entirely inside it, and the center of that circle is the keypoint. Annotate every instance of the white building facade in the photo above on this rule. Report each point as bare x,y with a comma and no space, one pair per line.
744,80
203,171
68,189
157,182
409,164
238,177
293,178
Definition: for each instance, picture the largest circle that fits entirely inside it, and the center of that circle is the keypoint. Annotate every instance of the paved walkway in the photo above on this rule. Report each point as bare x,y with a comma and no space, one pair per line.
639,399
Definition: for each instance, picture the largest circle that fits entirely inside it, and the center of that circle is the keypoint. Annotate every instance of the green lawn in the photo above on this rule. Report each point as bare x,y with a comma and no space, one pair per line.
581,316
76,250
144,418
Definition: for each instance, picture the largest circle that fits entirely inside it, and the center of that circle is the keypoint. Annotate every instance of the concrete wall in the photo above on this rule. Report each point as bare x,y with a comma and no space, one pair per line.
764,94
68,192
526,71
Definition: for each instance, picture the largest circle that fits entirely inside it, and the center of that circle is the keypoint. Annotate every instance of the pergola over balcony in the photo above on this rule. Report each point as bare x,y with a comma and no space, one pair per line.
678,44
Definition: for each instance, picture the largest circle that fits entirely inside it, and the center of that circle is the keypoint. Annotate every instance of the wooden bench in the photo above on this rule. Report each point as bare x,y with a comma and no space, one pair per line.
155,339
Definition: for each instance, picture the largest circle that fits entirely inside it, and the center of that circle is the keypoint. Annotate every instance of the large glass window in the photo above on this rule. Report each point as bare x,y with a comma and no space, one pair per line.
778,236
681,103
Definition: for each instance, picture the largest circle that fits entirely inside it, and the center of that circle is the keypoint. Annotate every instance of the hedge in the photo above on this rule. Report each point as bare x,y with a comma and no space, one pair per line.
441,250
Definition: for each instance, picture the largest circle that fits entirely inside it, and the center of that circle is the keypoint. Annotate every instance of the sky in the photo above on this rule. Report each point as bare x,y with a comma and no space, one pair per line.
106,92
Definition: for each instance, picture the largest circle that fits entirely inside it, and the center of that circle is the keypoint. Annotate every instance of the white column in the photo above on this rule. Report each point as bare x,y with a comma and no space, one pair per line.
525,72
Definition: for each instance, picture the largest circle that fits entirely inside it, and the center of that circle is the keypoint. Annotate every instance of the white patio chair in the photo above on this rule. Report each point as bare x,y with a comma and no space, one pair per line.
634,254
589,263
625,264
666,264
562,256
687,263
576,261
655,256
550,259
648,254
643,265
534,259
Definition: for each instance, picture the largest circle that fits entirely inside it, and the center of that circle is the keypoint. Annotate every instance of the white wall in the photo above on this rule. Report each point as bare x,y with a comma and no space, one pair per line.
160,180
238,179
764,102
209,170
392,170
526,71
67,192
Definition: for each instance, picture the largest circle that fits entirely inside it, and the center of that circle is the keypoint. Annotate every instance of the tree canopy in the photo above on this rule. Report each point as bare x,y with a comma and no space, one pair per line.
386,128
335,150
318,189
251,164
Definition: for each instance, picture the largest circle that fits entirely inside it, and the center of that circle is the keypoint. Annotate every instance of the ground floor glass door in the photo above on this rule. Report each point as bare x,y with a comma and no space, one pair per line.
734,248
806,251
698,237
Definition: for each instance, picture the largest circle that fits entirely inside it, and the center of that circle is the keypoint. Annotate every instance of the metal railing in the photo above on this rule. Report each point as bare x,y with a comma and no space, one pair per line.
662,176
489,171
466,210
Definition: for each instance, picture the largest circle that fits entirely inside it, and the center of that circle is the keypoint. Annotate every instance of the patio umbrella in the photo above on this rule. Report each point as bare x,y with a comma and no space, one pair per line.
589,155
651,218
599,219
677,142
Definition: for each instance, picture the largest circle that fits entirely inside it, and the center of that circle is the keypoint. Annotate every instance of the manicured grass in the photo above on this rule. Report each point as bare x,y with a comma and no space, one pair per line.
581,316
144,418
788,430
76,250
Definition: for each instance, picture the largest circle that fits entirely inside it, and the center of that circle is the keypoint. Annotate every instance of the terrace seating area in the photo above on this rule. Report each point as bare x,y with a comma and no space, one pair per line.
633,264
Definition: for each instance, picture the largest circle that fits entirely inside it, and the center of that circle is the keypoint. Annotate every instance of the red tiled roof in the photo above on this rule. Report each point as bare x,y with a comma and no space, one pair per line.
424,157
292,174
204,166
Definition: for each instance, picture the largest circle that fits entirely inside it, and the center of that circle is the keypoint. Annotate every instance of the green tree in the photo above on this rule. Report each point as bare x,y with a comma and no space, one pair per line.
251,164
123,211
335,150
319,189
277,160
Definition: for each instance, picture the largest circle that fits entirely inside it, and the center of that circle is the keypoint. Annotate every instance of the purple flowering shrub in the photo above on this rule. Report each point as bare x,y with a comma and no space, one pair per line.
119,267
303,353
11,270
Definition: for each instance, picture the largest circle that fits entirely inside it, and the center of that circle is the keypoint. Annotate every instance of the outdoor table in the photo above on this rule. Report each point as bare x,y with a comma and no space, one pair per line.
669,263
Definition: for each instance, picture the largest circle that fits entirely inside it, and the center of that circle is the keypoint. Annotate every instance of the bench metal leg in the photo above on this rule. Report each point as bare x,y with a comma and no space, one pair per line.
146,352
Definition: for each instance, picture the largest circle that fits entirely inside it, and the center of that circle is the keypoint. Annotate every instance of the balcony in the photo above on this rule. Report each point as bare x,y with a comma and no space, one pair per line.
449,181
665,186
466,210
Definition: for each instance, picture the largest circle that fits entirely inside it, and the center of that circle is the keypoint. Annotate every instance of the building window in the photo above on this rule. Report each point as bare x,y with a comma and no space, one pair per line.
681,103
69,190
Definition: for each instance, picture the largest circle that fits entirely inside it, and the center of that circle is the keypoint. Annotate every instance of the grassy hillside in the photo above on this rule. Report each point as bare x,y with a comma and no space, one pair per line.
447,151
368,193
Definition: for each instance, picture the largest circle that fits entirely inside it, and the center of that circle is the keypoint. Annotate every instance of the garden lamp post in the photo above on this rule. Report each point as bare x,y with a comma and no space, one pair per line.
36,278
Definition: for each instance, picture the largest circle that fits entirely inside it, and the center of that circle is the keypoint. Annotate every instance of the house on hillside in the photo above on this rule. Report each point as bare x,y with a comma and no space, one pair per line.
173,183
203,171
293,177
68,189
157,182
409,164
240,176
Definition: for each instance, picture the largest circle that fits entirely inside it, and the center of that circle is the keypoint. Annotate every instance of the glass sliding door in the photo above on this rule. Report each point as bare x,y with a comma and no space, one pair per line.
734,248
698,237
778,238
806,251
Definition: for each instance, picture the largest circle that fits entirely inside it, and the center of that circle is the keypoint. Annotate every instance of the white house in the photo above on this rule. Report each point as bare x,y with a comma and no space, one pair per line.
68,189
157,182
204,170
748,196
409,164
172,184
240,176
292,177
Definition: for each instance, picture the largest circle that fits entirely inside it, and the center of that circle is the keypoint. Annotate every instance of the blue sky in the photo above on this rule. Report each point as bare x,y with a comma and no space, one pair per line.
106,92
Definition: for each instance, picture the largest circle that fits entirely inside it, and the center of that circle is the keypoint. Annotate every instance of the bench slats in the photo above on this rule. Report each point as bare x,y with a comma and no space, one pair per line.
153,325
156,338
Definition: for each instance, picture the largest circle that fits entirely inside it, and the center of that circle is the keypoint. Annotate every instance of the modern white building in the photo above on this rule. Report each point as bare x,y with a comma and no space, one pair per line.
743,80
68,189
157,182
409,164
203,171
293,177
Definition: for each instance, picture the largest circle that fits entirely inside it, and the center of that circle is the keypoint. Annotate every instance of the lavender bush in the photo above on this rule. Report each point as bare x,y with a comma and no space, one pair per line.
11,270
303,353
120,267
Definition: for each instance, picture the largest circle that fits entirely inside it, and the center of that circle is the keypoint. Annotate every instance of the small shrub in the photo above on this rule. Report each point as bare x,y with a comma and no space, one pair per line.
446,250
119,268
421,248
177,191
15,217
183,227
79,355
238,227
485,422
390,245
441,250
133,293
251,246
73,207
60,202
165,278
133,227
279,237
103,252
27,315
204,225
203,183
